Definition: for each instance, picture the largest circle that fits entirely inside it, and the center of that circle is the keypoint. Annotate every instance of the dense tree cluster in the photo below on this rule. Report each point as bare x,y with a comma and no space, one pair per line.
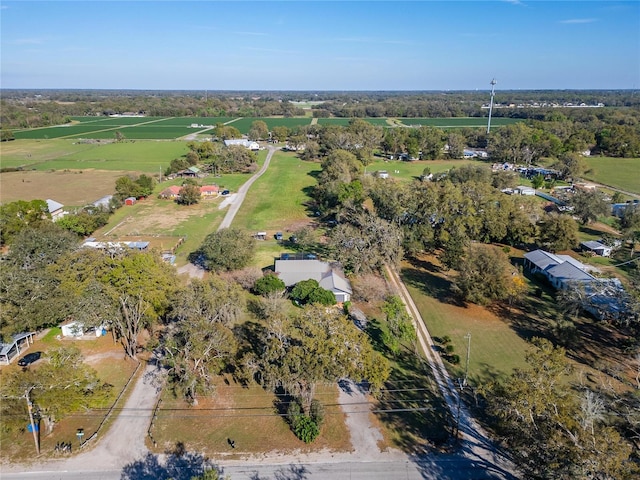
555,432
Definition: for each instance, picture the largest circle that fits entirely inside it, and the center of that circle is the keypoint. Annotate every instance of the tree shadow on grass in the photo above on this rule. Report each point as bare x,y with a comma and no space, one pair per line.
177,465
431,285
412,406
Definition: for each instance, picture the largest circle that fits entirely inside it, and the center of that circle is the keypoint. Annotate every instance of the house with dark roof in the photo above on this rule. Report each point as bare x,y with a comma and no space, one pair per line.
560,270
596,247
605,298
328,277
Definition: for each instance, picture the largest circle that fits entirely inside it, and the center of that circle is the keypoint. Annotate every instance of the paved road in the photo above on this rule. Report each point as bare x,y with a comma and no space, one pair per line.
152,468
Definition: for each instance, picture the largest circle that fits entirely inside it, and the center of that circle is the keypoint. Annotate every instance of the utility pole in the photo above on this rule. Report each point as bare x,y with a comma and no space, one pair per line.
493,85
33,425
466,368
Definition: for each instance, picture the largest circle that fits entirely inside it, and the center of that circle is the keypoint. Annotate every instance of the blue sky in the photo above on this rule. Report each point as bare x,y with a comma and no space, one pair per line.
320,45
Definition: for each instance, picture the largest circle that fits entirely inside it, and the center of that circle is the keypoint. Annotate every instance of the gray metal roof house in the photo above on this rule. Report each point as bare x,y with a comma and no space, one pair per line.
294,271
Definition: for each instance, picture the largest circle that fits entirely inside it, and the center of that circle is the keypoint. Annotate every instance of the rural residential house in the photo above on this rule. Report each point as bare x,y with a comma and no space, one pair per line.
243,142
294,271
208,191
560,270
55,209
603,297
596,247
171,192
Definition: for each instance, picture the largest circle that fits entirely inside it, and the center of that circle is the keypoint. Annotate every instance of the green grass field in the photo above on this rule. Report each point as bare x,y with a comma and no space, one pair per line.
457,122
139,156
622,173
382,122
410,170
276,200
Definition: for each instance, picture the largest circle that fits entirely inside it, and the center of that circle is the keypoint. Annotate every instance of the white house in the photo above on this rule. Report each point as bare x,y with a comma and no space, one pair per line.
242,142
55,209
294,271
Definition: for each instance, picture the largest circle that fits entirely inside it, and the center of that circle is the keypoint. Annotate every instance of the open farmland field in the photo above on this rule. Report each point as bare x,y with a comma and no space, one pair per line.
622,173
141,156
116,121
382,122
244,124
71,188
187,121
144,132
457,122
29,153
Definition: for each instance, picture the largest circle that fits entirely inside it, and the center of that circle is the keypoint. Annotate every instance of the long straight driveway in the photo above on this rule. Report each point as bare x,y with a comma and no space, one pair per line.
242,191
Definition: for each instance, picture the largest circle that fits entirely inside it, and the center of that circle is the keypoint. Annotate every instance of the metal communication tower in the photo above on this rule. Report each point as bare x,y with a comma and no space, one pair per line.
493,86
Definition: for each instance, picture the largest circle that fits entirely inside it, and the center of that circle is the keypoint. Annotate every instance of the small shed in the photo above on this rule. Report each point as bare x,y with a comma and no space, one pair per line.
524,190
130,201
77,329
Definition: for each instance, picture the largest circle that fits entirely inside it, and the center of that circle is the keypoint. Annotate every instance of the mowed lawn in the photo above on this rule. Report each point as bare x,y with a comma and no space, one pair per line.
411,170
276,201
496,348
622,173
249,416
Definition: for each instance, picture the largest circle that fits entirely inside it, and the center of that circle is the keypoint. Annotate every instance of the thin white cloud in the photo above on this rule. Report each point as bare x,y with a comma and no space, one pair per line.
578,20
515,2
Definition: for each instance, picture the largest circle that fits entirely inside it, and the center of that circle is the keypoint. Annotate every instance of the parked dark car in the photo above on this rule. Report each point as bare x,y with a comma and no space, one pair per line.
29,358
278,236
224,192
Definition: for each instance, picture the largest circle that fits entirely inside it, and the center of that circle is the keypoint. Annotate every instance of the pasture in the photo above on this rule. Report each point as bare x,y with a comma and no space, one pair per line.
622,173
64,154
